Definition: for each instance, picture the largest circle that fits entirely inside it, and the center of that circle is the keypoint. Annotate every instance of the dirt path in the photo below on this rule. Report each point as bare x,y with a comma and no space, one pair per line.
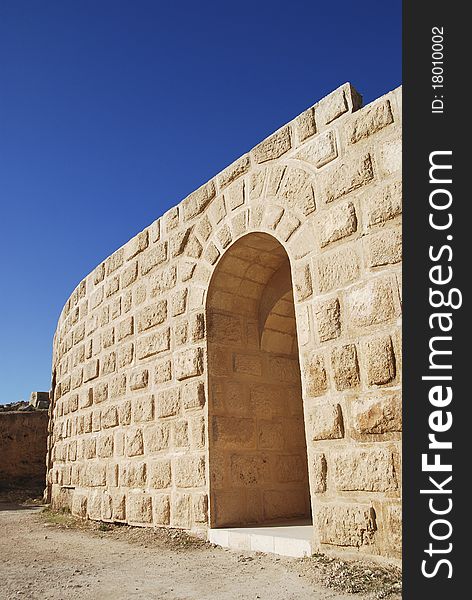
41,560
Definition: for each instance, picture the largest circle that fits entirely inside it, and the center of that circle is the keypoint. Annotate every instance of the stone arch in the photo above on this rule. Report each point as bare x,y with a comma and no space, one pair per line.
258,469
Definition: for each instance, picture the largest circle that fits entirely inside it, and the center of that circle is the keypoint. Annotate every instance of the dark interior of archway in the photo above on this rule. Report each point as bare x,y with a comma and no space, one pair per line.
258,457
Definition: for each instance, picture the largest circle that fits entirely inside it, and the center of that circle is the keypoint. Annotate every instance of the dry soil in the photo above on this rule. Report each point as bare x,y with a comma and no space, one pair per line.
52,556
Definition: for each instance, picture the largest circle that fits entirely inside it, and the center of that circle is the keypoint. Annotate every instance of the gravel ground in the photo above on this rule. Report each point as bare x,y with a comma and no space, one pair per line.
52,556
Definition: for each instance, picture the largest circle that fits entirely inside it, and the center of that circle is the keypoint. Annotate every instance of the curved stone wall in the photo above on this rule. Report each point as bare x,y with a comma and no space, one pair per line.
243,352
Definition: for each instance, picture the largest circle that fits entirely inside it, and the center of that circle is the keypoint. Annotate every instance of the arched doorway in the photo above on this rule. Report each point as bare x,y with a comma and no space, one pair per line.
257,448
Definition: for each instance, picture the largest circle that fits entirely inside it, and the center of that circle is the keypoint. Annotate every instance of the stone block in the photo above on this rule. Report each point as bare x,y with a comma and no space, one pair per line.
143,408
91,370
235,170
152,315
320,151
168,402
156,438
384,248
114,262
234,432
139,379
161,509
139,507
371,303
337,269
179,302
273,146
133,474
345,367
326,421
380,359
367,470
328,319
377,414
105,445
200,508
346,524
160,475
331,107
370,120
318,470
297,191
193,395
189,363
154,343
382,204
153,257
117,386
302,283
248,364
137,244
346,177
291,468
124,413
134,442
198,200
315,378
79,505
189,471
124,328
109,417
284,504
337,222
305,125
181,510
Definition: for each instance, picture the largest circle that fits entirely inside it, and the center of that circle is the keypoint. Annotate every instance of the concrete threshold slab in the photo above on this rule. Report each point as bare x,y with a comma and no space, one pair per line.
286,539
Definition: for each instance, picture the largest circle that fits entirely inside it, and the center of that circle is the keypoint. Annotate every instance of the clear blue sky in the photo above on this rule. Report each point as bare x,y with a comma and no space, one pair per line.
112,111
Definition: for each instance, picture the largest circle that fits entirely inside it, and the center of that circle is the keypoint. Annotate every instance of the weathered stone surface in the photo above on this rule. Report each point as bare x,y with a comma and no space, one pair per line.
197,201
137,244
380,360
134,442
336,223
153,343
168,402
345,367
315,374
371,303
326,421
193,395
346,524
377,414
189,471
161,509
320,151
331,107
153,257
139,507
318,472
160,474
143,408
384,203
274,146
337,269
139,379
189,363
152,315
347,177
305,124
236,169
369,121
384,248
302,282
328,319
297,191
369,470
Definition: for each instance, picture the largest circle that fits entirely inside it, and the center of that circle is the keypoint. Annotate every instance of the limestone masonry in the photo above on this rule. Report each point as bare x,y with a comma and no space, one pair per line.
239,360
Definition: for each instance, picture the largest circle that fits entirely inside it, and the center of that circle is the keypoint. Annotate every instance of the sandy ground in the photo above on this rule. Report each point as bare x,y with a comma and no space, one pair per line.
51,557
